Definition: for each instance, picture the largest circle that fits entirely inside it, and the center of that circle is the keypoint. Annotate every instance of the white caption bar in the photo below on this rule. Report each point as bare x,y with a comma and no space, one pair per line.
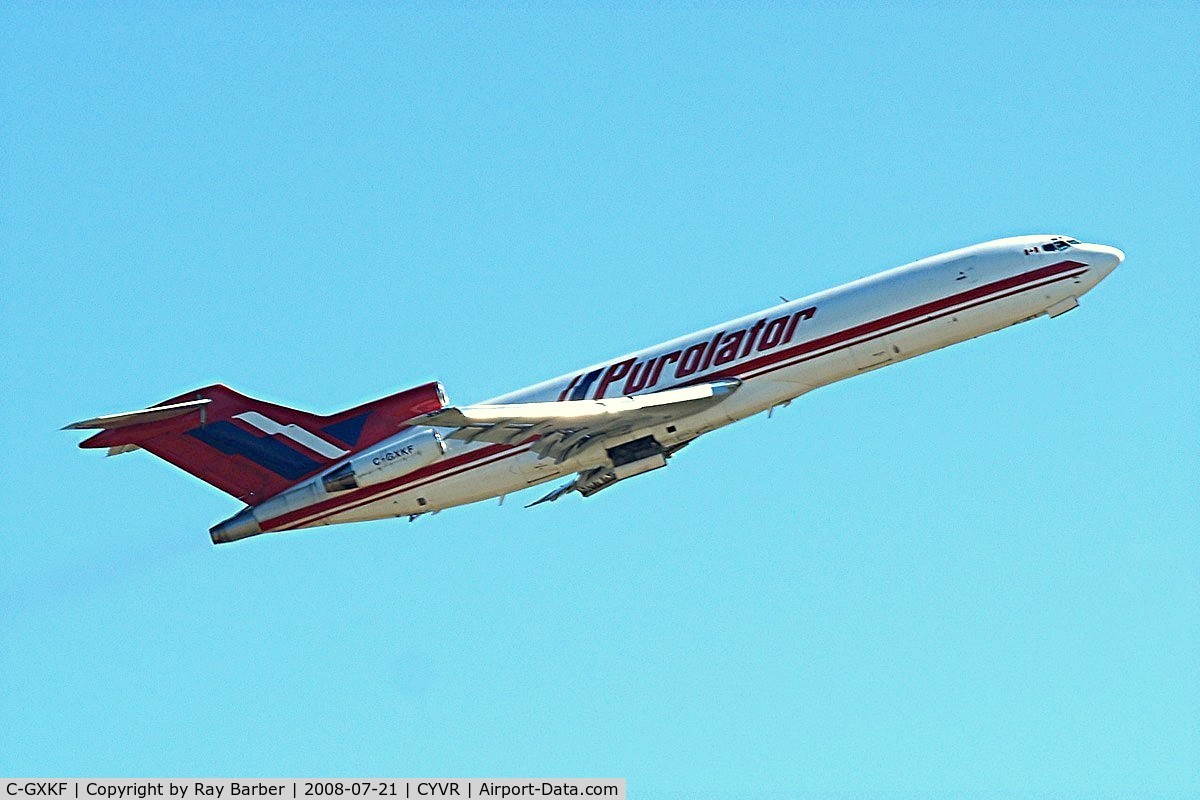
305,789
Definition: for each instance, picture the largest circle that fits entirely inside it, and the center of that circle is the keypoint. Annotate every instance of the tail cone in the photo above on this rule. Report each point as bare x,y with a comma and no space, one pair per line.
241,525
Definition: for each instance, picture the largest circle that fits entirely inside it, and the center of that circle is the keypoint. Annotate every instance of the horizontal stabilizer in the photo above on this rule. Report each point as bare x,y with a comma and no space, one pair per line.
152,414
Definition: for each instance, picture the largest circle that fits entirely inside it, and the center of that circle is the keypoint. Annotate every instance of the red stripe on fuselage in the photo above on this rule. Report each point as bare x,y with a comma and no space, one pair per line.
757,367
894,324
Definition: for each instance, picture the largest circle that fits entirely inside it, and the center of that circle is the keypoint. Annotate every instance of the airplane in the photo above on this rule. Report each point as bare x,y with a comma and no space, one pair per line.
412,453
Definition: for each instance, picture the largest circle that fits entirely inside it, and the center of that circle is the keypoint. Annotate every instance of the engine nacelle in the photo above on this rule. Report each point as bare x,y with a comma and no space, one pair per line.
396,457
406,452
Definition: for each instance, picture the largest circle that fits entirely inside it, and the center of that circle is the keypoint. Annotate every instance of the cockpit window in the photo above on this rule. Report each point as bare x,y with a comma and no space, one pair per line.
1053,245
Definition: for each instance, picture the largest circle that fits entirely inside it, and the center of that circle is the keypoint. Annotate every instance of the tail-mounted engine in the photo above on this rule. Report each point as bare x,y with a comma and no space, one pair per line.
397,457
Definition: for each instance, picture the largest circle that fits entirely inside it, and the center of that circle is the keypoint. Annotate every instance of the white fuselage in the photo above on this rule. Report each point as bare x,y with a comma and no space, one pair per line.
778,354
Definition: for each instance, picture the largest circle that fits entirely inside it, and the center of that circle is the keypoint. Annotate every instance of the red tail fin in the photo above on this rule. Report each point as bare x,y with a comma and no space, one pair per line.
253,449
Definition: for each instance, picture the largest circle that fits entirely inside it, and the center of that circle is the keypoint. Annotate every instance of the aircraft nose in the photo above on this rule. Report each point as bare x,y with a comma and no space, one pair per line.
1107,258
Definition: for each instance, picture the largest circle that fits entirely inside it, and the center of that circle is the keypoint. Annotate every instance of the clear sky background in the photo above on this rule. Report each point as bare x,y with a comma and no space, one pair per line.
973,573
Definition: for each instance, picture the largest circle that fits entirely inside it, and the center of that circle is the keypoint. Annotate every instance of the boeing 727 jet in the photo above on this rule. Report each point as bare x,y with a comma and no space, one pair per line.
413,453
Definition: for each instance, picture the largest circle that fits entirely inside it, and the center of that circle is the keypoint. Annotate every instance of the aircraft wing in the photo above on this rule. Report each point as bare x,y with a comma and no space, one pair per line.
563,428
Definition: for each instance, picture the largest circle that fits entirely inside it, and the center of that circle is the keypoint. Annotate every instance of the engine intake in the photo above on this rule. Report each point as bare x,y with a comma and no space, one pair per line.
396,457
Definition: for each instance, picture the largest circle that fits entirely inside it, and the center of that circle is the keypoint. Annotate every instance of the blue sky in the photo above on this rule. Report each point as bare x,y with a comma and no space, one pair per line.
973,573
